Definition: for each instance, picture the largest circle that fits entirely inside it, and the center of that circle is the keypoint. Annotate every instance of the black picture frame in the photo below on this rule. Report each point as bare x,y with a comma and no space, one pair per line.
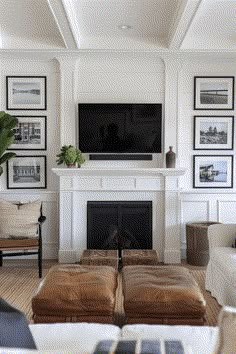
213,133
30,133
27,172
212,171
213,93
26,93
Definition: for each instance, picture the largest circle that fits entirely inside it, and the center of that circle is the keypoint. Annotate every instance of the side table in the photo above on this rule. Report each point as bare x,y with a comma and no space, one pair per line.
197,242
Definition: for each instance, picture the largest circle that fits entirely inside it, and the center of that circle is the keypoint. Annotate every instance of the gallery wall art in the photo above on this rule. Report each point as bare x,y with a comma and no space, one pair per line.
213,92
213,132
26,172
212,171
26,93
30,133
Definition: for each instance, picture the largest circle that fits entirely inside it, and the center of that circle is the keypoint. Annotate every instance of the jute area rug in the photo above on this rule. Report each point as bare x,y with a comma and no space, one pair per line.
19,282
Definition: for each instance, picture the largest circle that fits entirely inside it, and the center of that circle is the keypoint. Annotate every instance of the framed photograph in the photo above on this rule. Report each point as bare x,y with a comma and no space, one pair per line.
213,171
26,92
26,172
213,132
214,92
30,133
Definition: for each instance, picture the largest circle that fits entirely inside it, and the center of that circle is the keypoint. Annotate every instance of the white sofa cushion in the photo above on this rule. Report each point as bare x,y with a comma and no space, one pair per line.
225,258
19,220
201,339
25,351
81,337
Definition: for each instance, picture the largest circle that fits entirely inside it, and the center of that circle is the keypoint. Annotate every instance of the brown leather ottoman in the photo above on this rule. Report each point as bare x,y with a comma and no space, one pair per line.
139,257
100,257
76,293
162,295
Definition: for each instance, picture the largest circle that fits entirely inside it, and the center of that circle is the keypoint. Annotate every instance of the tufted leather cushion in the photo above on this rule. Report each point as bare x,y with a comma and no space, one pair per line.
139,257
77,290
152,293
19,220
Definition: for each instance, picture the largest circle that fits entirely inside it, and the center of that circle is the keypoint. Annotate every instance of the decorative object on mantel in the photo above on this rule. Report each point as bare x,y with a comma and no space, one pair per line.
70,156
7,123
170,158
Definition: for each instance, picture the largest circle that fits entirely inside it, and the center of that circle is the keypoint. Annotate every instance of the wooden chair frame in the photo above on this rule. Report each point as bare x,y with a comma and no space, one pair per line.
27,250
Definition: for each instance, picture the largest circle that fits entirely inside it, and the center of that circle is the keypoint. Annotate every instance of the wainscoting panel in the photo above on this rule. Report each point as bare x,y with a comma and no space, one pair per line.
191,210
227,211
206,206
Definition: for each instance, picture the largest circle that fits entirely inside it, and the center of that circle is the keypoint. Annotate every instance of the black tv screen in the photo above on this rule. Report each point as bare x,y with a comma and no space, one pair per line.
120,128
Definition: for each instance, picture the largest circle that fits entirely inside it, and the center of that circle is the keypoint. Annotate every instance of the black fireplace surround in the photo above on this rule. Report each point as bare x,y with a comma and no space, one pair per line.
119,225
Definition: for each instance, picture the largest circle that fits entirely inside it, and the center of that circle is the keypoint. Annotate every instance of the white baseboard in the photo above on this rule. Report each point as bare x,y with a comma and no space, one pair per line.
172,257
67,256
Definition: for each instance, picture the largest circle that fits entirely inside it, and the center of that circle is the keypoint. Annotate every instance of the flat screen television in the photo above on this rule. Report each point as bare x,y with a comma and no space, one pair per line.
120,128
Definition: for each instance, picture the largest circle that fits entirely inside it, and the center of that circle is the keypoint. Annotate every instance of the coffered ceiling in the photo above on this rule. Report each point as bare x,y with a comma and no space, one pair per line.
185,25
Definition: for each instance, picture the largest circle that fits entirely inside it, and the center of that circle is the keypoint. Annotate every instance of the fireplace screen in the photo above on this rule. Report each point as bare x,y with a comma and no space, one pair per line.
119,225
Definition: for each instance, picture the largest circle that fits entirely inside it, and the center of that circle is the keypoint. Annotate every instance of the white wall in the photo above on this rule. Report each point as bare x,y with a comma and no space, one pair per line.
11,66
201,204
121,77
117,78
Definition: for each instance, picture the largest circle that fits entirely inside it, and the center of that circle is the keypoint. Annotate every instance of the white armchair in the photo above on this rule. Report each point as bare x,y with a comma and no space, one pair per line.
221,269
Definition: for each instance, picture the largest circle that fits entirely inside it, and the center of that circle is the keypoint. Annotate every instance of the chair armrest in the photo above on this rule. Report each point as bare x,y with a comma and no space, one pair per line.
221,235
41,219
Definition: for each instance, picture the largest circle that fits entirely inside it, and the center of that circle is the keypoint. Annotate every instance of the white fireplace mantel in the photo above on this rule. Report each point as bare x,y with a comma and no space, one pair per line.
80,185
147,172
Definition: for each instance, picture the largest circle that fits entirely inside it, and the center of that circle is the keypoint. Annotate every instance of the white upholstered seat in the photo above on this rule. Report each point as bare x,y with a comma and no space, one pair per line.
221,269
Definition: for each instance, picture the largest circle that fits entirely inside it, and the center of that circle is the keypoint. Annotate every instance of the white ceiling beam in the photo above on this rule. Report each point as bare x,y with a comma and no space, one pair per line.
69,6
186,12
63,23
1,33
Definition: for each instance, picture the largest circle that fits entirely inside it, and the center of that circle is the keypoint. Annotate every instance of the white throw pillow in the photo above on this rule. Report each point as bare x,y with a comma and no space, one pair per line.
19,220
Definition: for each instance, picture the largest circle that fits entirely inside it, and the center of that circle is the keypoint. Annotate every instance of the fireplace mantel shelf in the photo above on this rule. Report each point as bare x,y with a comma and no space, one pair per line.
95,171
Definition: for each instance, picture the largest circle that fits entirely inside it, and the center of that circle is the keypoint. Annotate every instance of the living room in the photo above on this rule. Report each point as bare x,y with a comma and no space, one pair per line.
147,52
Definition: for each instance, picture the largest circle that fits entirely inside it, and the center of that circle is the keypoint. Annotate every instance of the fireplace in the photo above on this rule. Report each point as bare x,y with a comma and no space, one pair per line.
158,186
119,225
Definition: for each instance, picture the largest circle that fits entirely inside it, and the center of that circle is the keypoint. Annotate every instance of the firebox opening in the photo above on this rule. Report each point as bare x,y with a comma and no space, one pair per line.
119,225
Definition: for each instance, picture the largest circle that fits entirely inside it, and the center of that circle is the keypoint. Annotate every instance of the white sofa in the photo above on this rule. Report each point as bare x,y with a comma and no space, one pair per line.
221,269
61,338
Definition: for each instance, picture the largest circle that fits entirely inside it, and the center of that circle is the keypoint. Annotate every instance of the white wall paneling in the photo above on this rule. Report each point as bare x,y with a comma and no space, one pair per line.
67,101
172,69
201,204
48,68
19,66
196,207
198,67
123,76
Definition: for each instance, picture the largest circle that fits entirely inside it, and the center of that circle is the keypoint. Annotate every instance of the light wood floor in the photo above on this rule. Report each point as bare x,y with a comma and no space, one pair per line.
19,282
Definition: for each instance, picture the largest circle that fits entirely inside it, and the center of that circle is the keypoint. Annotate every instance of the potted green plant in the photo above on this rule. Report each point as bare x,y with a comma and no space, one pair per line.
7,123
70,156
